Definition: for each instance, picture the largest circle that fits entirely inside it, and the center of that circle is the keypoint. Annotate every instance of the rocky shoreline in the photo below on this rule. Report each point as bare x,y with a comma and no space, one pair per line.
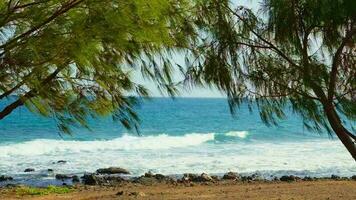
113,176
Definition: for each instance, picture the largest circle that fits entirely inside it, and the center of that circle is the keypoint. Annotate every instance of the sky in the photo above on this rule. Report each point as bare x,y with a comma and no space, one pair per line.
197,91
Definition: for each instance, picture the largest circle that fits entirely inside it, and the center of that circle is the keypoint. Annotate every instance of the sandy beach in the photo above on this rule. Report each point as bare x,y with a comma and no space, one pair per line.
321,189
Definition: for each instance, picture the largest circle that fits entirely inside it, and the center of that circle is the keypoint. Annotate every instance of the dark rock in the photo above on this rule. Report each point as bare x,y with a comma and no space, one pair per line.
205,178
353,177
64,176
253,177
150,179
120,193
231,176
290,178
6,178
335,177
146,180
112,170
160,176
196,178
95,179
189,177
75,179
149,174
61,161
215,178
29,170
89,179
307,178
11,185
50,170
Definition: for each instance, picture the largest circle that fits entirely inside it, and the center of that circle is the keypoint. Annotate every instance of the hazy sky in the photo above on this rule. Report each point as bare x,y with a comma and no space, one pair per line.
194,92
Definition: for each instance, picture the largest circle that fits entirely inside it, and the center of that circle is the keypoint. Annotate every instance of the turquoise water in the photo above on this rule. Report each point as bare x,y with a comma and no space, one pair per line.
177,136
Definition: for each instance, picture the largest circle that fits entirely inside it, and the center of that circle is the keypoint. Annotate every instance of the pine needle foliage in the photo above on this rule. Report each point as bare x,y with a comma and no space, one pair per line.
74,59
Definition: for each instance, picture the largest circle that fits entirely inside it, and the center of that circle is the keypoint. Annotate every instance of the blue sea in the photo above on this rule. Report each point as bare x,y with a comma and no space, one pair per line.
185,135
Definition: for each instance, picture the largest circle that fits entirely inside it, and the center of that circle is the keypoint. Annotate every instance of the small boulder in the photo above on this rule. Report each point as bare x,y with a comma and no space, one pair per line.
29,170
63,176
149,174
160,176
335,177
119,193
205,178
215,178
75,179
50,170
90,179
353,177
231,176
95,179
151,179
5,178
189,177
253,177
112,170
290,178
307,178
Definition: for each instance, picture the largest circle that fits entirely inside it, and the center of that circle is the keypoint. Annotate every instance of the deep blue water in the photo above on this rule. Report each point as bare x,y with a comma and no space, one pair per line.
176,136
159,115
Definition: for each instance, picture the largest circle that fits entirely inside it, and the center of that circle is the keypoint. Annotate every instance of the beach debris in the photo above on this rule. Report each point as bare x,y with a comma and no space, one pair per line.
290,178
112,170
231,176
6,178
29,170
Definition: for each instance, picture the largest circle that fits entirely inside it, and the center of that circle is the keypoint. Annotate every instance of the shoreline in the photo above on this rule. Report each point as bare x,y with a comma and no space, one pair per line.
227,189
115,183
115,175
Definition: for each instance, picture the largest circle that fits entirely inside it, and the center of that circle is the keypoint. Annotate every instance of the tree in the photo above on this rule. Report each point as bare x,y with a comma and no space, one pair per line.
73,59
291,53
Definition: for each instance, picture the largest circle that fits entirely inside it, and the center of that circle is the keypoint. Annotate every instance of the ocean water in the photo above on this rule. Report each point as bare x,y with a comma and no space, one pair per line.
176,136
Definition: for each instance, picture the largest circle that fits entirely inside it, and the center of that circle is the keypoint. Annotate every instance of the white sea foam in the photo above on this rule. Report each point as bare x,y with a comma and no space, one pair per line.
126,142
240,134
180,154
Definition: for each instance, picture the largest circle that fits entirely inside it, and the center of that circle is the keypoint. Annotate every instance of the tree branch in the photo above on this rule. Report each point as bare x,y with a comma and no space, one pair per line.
20,101
65,8
336,62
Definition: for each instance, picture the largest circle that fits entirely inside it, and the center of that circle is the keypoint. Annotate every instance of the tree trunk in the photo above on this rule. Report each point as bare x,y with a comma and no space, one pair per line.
341,132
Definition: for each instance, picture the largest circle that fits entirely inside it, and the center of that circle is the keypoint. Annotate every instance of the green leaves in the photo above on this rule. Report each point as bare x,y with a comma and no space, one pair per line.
282,53
95,46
